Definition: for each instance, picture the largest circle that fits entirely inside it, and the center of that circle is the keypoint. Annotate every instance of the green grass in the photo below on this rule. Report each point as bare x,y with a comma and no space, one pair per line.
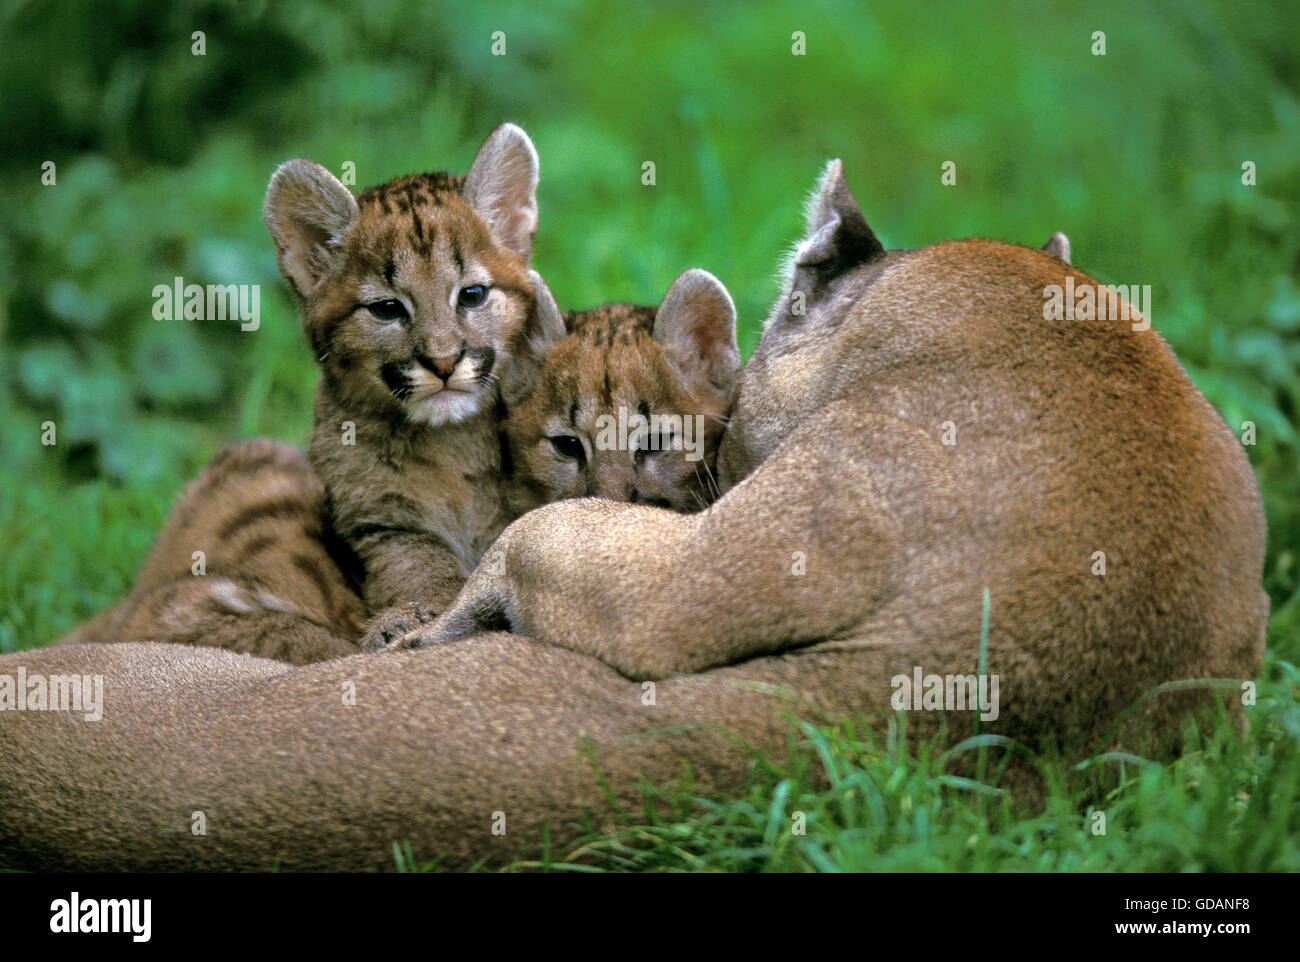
849,800
162,159
1227,805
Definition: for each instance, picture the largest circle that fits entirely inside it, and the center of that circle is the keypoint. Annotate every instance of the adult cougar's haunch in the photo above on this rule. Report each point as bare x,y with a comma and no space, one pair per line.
909,433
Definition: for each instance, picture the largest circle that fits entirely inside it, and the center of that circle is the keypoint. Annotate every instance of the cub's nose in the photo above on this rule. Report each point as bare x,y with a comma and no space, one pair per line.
441,366
635,496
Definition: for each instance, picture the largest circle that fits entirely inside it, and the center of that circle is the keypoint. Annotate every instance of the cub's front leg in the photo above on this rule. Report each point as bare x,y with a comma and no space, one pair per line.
411,578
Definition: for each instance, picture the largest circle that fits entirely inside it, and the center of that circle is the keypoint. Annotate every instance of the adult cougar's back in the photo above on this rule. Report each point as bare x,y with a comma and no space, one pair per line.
1073,469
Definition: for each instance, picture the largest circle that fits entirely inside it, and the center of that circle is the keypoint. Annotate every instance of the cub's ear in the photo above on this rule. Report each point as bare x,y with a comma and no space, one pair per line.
550,322
307,210
838,236
544,329
696,323
501,186
1058,245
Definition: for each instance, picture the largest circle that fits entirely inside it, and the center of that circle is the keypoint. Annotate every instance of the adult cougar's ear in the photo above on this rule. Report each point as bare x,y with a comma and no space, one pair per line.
501,186
696,324
544,328
1058,245
306,210
838,237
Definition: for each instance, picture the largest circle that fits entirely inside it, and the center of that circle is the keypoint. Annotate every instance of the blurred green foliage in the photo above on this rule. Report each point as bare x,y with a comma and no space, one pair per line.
162,158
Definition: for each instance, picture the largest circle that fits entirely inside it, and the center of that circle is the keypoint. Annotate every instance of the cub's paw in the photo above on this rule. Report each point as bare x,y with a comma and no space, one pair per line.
397,627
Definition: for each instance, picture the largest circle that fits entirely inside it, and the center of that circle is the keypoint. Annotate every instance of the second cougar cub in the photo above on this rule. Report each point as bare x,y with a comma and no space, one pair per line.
631,405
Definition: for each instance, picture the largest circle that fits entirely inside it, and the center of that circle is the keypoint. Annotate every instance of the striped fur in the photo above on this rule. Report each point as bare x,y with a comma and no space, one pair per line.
271,579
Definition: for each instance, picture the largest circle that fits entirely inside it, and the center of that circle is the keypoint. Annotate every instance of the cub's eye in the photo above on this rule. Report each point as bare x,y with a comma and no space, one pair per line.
472,296
567,446
653,444
389,310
